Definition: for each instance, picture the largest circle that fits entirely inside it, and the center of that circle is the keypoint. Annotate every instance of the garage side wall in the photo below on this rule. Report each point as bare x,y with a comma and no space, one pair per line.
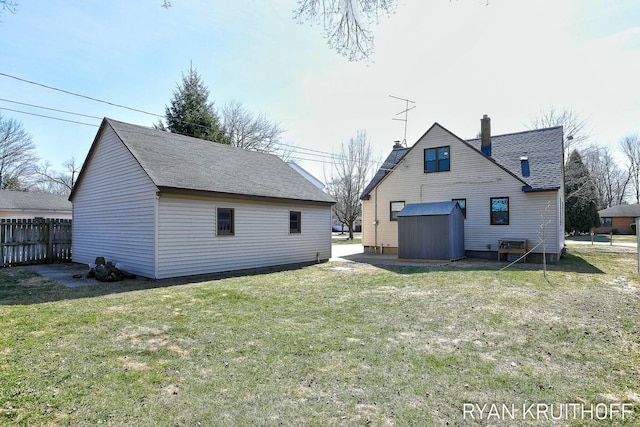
188,243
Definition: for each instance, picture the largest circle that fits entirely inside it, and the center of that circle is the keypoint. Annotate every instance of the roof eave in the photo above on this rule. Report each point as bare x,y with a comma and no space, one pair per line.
252,197
529,189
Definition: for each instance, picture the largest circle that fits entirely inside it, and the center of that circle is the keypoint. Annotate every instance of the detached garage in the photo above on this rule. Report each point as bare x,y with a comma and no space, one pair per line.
431,231
166,205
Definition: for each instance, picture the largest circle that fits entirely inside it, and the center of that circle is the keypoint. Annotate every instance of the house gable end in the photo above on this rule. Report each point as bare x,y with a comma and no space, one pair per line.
392,162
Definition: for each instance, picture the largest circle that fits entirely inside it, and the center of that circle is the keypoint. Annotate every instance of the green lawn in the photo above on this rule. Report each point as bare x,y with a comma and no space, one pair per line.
330,344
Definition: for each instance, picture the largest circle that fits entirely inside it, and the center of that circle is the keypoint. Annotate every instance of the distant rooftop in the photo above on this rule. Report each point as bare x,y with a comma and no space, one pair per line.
33,201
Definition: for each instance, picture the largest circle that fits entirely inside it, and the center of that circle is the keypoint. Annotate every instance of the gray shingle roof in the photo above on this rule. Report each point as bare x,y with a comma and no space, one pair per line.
181,163
631,211
541,147
28,200
387,166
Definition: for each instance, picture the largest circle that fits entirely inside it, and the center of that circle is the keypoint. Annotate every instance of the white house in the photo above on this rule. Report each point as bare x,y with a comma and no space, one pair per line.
30,205
508,186
166,205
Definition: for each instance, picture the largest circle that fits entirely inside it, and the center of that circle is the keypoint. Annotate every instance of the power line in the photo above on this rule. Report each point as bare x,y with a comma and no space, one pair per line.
51,109
80,95
310,152
48,117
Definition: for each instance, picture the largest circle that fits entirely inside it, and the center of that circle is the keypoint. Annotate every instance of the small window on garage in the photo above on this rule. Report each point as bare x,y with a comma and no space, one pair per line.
225,222
295,222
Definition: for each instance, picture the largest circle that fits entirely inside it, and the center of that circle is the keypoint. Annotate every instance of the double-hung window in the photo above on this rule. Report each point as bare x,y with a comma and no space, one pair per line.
295,222
394,210
437,159
225,222
463,205
499,211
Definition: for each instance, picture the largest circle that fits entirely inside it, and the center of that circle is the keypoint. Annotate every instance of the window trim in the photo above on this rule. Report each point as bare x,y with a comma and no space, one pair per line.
297,230
491,221
232,221
391,211
437,161
464,210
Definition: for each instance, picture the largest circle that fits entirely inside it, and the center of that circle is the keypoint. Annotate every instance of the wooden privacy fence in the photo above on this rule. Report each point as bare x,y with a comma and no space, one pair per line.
34,241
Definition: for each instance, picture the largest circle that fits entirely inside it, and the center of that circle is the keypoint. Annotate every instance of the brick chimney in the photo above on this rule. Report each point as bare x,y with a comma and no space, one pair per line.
485,135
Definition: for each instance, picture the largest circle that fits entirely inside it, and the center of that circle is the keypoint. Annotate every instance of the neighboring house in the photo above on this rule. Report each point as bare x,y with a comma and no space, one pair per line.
30,205
166,205
618,219
507,186
315,181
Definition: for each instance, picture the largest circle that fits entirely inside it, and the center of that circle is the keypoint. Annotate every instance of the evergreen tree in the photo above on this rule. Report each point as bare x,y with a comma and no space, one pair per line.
581,205
191,113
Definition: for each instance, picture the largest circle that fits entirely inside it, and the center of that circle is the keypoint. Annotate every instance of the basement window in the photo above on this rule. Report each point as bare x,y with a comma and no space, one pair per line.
225,219
295,222
436,159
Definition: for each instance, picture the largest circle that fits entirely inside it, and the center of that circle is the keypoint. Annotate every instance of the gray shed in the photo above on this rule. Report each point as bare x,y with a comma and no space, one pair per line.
433,231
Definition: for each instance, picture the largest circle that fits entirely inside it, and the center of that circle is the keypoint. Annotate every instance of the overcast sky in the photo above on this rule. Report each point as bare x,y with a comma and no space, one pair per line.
457,60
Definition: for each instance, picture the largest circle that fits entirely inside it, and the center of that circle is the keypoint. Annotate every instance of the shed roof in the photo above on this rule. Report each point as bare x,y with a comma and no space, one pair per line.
181,163
30,200
428,209
631,211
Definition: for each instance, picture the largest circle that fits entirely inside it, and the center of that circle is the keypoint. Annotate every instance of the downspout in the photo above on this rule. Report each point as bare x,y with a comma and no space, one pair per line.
375,221
155,235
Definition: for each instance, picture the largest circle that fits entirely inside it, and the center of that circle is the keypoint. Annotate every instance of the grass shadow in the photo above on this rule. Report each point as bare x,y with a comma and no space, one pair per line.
570,263
19,286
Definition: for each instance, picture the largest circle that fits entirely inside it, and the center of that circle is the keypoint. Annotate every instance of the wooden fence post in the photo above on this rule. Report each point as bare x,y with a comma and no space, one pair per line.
50,229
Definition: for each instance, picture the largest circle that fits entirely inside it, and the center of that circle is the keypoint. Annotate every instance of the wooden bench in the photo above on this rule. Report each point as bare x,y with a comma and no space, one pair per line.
512,246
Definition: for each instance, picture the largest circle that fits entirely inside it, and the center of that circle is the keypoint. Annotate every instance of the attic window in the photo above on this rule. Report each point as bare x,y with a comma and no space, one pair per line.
436,159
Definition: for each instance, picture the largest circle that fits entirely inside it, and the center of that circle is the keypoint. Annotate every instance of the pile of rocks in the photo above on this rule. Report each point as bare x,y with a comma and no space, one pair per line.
107,272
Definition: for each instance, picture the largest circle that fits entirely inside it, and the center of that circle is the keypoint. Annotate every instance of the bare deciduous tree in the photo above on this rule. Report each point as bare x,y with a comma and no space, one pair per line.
249,131
56,182
350,174
8,5
609,179
17,155
575,128
630,146
346,22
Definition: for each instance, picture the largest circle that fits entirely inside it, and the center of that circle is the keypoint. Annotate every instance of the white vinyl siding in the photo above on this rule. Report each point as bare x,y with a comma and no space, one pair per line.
188,243
472,177
114,209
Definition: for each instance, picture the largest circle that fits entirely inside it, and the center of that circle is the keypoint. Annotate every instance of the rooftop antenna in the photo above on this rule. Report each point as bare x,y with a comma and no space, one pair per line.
405,112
